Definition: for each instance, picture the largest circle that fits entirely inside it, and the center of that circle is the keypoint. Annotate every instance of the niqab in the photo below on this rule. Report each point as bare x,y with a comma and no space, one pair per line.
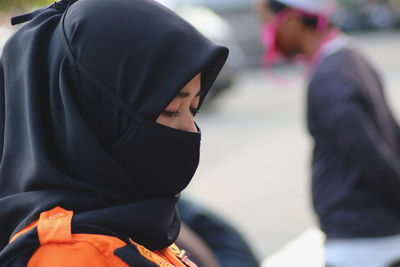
73,82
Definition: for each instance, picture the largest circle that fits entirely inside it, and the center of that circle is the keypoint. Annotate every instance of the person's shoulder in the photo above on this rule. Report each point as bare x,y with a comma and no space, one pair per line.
336,66
96,253
78,254
335,81
105,251
51,242
336,74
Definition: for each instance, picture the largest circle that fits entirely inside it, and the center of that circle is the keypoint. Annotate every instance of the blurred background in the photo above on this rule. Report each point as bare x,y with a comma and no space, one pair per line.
256,151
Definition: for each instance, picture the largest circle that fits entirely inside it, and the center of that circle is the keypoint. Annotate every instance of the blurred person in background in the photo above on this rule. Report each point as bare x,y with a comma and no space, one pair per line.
356,156
98,135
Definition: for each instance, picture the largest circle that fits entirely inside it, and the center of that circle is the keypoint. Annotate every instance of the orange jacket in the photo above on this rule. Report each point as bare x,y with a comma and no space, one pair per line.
59,247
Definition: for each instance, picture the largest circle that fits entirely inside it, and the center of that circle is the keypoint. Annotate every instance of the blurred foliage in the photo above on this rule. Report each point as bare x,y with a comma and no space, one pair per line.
6,5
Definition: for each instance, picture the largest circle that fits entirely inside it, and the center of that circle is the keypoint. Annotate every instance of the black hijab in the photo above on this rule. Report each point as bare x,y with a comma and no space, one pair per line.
73,82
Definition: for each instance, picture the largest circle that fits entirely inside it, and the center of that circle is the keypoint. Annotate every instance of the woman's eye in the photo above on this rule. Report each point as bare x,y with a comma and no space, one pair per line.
171,113
194,111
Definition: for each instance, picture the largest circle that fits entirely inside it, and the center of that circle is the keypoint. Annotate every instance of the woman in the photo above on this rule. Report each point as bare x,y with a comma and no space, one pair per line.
99,139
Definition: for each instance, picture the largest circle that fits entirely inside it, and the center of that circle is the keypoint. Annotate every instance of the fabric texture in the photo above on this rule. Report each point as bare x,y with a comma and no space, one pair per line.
356,158
77,84
59,246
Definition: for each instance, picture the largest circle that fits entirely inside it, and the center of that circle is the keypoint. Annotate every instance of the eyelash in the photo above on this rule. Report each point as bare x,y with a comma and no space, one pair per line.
177,113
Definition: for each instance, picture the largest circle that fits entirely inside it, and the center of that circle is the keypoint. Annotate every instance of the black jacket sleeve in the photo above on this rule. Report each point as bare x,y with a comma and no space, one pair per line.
344,118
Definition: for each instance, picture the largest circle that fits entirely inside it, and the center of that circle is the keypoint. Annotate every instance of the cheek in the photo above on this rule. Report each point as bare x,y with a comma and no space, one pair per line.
173,106
195,102
280,39
285,40
164,120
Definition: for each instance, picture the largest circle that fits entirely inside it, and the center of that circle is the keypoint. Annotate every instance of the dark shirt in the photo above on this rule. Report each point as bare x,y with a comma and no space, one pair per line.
356,158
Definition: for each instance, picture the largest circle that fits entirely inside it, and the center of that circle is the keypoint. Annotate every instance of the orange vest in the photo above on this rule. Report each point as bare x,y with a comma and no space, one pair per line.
59,247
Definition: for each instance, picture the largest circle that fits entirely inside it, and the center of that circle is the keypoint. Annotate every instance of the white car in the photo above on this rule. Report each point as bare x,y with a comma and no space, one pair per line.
217,29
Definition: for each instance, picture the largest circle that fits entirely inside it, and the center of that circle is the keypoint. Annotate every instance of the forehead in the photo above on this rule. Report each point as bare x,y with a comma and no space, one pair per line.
193,85
191,90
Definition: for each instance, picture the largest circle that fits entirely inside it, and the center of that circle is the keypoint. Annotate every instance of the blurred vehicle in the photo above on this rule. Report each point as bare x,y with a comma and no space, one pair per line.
217,29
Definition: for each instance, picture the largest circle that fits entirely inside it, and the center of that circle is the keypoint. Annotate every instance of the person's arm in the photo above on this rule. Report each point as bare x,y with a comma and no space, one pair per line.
200,252
339,108
225,242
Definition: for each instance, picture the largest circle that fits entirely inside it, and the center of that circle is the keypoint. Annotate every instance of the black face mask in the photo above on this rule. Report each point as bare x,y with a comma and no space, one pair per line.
164,158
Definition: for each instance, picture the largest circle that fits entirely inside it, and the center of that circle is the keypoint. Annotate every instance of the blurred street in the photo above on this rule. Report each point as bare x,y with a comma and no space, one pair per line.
256,150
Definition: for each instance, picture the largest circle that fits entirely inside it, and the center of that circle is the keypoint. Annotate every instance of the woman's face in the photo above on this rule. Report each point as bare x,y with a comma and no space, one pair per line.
179,114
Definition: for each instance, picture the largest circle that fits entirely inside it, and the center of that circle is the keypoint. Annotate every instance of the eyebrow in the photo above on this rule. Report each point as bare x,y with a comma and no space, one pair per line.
186,94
